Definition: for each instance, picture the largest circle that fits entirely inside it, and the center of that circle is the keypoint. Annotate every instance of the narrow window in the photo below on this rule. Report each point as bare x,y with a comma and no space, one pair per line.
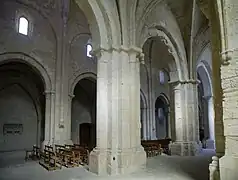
89,50
161,77
23,26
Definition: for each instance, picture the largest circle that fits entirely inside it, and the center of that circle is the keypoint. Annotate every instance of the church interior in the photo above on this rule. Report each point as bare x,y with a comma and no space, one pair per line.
118,89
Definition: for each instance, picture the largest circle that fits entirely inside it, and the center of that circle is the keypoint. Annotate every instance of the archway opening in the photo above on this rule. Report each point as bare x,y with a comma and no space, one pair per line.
161,118
159,69
83,125
22,112
205,107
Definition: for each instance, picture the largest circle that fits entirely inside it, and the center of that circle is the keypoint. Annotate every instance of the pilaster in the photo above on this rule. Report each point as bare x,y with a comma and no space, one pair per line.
118,147
49,118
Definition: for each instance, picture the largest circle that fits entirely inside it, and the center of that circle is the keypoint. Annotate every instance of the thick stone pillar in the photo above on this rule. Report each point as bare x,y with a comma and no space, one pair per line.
118,147
229,162
49,118
229,78
186,120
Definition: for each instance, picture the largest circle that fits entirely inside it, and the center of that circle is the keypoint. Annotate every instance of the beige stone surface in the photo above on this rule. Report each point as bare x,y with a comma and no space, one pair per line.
132,41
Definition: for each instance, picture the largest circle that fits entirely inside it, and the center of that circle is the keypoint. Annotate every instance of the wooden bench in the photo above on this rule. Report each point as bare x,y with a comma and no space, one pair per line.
58,147
82,150
162,143
152,149
49,160
83,153
68,157
33,154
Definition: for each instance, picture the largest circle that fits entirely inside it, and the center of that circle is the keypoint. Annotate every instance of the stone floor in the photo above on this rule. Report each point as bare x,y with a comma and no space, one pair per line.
160,167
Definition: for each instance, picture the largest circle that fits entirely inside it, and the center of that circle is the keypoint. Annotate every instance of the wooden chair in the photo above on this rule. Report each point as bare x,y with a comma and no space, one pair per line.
49,160
83,153
152,148
33,154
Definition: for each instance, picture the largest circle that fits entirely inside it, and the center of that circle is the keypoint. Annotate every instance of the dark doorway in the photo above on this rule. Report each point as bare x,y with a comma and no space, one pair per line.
83,125
161,117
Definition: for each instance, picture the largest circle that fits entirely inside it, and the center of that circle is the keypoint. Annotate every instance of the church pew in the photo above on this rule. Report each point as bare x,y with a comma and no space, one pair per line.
33,154
81,150
68,157
152,149
49,160
163,143
83,154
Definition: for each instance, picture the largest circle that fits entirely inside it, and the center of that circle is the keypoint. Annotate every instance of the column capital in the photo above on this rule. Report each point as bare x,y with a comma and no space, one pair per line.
71,95
226,56
129,50
49,92
180,83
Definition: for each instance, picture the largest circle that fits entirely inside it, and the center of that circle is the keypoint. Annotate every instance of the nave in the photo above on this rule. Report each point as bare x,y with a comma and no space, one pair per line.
159,167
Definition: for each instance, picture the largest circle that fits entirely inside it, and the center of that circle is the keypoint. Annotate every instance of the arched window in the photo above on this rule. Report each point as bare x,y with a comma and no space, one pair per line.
161,77
89,49
23,26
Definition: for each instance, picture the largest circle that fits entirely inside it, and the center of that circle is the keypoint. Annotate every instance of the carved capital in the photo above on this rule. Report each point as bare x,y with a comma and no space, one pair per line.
130,50
154,32
226,56
48,94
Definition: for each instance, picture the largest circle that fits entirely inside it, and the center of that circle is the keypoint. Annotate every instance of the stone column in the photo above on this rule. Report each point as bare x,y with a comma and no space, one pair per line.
210,109
186,119
118,147
49,118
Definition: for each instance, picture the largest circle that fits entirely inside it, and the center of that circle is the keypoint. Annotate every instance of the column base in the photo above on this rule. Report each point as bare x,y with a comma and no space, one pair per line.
214,169
228,167
107,162
210,144
191,148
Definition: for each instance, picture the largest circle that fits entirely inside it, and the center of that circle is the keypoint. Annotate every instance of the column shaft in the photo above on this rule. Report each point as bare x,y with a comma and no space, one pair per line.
186,120
49,118
118,114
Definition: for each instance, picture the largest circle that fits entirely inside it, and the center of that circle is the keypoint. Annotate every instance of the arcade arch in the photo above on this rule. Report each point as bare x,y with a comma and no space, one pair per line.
83,113
22,112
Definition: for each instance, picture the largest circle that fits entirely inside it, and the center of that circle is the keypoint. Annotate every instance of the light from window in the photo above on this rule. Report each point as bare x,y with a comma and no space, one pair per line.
23,26
161,77
89,49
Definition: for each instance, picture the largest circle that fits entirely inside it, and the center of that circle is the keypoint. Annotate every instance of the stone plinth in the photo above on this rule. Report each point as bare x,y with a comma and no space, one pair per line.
185,148
106,162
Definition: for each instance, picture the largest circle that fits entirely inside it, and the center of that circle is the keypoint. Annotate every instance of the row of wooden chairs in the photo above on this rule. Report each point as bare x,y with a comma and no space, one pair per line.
61,155
156,147
152,149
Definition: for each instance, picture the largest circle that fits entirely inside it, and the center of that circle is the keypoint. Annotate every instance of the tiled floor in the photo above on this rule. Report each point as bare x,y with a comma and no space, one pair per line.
160,167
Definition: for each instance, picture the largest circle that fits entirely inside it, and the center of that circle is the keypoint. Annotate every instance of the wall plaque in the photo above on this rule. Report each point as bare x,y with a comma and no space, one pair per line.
15,129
